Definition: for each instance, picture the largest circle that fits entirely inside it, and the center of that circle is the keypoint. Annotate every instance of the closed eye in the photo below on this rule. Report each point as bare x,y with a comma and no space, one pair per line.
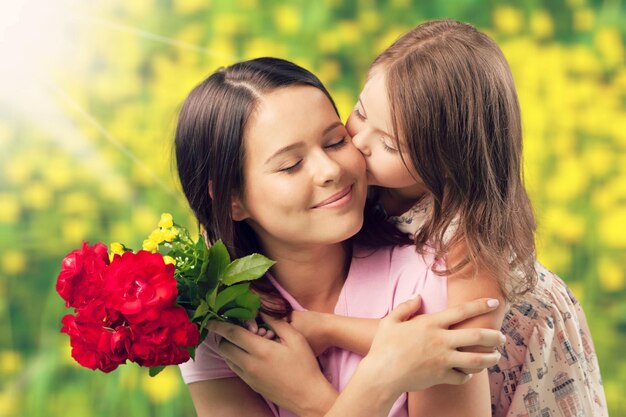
336,145
358,114
292,168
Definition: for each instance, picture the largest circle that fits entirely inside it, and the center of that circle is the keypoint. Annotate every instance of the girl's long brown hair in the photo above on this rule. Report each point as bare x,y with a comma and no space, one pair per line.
454,104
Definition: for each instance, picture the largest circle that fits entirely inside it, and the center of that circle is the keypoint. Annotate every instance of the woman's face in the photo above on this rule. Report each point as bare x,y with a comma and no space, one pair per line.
370,126
304,179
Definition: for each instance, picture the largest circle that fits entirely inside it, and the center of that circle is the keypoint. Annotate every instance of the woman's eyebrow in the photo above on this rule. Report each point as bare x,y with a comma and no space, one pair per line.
331,127
283,150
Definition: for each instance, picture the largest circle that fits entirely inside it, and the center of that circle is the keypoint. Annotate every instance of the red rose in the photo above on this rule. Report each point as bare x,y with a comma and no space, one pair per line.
99,339
140,285
80,279
164,341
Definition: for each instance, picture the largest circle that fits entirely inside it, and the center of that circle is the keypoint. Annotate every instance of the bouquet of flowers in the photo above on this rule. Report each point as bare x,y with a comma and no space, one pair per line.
151,306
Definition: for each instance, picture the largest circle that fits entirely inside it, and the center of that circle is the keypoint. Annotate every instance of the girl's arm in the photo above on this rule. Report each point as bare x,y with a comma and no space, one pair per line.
472,399
406,355
324,330
227,397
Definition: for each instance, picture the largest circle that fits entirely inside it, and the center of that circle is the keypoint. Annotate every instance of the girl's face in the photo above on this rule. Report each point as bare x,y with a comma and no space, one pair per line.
304,179
370,126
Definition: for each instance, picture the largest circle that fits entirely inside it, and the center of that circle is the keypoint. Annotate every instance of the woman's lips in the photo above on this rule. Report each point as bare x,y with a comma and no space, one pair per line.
339,199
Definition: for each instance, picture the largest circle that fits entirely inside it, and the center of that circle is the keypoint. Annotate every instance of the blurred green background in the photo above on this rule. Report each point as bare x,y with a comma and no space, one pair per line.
89,93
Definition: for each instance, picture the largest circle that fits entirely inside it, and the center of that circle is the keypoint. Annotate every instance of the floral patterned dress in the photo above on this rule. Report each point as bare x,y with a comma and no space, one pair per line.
548,367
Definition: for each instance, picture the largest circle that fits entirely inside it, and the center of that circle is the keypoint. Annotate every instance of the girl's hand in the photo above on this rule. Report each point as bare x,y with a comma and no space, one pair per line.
310,324
253,326
413,353
284,371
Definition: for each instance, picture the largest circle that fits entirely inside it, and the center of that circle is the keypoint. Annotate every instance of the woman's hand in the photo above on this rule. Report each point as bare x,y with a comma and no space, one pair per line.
284,371
413,353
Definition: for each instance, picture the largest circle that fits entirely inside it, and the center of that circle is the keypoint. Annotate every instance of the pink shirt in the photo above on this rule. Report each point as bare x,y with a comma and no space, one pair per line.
376,283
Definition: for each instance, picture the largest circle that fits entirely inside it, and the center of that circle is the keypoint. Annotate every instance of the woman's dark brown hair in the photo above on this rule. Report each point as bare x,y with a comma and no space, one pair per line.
455,108
209,146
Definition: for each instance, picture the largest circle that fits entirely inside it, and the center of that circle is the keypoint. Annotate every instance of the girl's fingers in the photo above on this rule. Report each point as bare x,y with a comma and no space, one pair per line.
476,337
235,334
279,327
262,331
465,311
406,310
270,335
474,362
252,326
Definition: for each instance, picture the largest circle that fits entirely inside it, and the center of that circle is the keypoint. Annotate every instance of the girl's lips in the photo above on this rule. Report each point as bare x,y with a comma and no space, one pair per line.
339,199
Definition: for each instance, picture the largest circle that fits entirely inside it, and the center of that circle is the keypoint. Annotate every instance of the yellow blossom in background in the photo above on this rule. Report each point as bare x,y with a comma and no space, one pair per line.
369,20
612,228
508,20
9,403
345,102
190,6
150,245
564,224
9,208
18,170
287,19
10,362
328,71
13,262
348,31
77,202
389,37
609,42
611,274
328,42
166,221
225,24
169,234
74,231
169,260
164,386
583,19
541,24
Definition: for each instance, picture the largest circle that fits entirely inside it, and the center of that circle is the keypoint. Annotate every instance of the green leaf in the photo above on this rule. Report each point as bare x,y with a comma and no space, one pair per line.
239,313
202,309
154,370
211,299
249,301
218,261
229,294
246,269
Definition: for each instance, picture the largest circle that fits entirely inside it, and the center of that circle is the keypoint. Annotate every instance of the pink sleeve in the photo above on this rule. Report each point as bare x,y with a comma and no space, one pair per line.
207,365
411,274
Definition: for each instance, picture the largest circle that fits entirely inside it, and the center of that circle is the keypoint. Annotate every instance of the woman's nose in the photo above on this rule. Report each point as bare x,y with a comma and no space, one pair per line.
327,170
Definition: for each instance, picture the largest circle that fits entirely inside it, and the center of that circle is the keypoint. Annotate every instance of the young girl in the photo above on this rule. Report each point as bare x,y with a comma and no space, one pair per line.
438,123
267,166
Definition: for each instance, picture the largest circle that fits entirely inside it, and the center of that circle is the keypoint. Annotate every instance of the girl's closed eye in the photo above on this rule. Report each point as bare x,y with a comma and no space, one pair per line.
358,114
386,146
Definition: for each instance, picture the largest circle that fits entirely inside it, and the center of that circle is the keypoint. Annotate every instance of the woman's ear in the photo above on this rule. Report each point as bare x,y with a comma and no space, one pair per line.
237,210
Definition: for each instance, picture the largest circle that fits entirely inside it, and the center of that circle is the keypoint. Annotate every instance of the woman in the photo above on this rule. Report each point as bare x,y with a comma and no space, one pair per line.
267,166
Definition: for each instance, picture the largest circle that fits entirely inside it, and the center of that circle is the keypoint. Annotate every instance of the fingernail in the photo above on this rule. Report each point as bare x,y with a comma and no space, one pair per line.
502,339
493,302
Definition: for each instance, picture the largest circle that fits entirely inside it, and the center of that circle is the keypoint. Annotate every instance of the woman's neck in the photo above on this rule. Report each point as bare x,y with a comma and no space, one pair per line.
313,275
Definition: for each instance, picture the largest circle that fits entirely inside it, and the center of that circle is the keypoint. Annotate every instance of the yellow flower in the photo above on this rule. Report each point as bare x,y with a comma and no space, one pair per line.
611,274
117,248
611,229
10,362
166,221
287,19
9,208
169,234
169,260
508,20
157,236
583,19
162,387
13,262
541,24
609,42
150,245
